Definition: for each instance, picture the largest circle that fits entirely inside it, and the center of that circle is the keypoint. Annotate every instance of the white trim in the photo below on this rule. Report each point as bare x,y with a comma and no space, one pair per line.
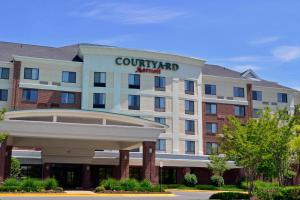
47,61
49,87
225,101
88,49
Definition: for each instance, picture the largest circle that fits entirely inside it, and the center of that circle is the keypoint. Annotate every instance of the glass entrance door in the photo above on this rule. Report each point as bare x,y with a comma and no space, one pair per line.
69,176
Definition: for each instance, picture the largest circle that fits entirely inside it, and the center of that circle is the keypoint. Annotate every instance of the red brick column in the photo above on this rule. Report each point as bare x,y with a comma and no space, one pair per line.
180,173
250,102
86,177
8,161
15,85
2,161
46,170
149,169
124,164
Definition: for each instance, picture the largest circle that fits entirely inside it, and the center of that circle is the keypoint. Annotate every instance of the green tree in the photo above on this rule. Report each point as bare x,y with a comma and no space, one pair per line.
261,145
3,135
15,168
217,165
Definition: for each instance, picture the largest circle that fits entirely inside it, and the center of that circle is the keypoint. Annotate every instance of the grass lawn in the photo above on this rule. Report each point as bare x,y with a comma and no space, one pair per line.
204,187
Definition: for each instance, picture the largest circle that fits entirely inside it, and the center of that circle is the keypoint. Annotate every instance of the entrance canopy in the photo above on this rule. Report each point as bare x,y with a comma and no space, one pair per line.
59,128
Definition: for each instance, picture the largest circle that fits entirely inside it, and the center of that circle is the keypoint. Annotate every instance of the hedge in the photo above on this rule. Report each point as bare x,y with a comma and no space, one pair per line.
128,185
229,196
29,185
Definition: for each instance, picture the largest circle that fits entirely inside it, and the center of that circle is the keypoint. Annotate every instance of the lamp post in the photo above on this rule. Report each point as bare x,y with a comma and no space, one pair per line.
160,167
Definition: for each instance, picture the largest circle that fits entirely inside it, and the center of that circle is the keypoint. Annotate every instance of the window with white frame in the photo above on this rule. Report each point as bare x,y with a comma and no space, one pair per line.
4,73
68,77
189,87
133,102
211,108
190,147
210,89
190,127
189,107
239,111
3,94
99,79
160,83
134,81
99,100
282,97
161,145
67,98
31,73
211,128
161,120
160,104
238,92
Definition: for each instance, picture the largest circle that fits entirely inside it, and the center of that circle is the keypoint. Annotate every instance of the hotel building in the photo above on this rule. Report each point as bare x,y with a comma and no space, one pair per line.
85,112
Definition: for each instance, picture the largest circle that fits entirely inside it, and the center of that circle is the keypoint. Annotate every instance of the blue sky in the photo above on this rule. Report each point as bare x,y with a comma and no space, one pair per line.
260,34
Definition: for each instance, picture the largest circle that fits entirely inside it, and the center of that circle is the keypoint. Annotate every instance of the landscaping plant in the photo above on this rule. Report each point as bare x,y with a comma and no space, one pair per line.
190,180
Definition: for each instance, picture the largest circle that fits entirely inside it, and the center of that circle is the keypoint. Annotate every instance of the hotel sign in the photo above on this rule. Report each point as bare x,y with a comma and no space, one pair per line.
147,66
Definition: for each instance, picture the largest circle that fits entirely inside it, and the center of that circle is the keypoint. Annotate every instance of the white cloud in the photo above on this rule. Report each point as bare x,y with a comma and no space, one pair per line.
264,40
127,13
242,68
115,40
286,53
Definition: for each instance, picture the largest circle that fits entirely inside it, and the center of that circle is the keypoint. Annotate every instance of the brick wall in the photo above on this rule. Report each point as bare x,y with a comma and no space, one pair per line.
46,98
223,111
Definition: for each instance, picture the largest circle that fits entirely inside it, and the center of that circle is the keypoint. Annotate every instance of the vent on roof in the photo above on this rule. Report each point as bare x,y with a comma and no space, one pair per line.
249,73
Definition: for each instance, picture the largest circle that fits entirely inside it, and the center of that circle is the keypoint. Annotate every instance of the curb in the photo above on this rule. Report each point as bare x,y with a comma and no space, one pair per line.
82,195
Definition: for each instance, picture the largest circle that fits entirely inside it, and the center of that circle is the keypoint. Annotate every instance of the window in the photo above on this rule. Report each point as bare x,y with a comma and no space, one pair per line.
4,73
160,104
257,95
211,128
190,147
160,120
99,100
133,102
210,89
256,113
30,95
238,92
189,107
68,77
31,73
239,111
190,127
134,81
67,98
161,145
3,95
211,108
99,79
211,148
160,83
189,87
282,97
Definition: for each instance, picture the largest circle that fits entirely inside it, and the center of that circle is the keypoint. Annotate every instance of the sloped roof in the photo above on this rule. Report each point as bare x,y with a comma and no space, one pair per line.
216,70
68,53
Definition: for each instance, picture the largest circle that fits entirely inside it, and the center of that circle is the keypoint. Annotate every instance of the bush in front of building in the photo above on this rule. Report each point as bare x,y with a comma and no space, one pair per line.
217,180
32,185
229,196
50,184
129,185
100,189
29,185
190,180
